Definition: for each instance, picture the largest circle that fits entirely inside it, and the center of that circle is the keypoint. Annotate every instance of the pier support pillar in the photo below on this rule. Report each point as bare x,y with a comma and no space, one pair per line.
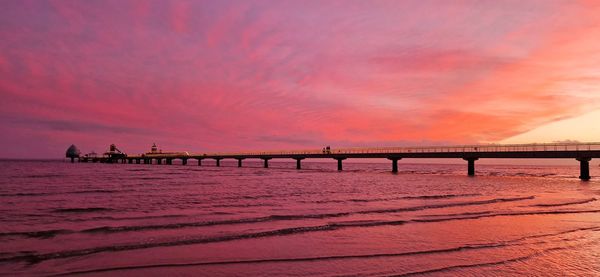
584,168
199,162
72,160
158,161
471,165
394,164
266,162
298,163
169,161
184,161
239,162
218,162
137,161
339,162
130,161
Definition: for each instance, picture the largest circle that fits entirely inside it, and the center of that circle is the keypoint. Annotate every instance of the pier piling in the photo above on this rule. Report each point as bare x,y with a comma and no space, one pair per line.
584,168
339,163
471,165
266,162
394,164
299,163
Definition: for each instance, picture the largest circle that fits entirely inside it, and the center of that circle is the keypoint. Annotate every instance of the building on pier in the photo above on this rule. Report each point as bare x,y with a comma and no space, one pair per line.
73,152
154,151
114,154
91,155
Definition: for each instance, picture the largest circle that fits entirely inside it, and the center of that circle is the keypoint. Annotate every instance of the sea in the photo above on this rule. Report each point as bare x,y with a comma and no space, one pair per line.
87,219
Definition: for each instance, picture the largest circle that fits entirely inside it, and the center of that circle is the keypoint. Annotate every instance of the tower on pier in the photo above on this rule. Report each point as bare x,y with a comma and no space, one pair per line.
73,152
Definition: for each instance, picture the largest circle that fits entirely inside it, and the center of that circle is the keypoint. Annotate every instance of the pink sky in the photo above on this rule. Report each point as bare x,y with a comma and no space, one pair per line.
245,75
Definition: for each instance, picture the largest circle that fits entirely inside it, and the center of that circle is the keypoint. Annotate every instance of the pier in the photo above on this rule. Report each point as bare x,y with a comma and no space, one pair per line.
582,152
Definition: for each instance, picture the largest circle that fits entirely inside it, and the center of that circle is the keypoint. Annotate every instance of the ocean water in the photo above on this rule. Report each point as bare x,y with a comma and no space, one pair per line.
59,218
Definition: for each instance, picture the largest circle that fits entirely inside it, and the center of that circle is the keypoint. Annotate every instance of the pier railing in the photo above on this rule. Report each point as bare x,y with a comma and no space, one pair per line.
536,147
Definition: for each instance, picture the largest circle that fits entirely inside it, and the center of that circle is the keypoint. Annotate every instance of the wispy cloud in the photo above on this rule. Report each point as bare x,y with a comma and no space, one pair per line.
219,75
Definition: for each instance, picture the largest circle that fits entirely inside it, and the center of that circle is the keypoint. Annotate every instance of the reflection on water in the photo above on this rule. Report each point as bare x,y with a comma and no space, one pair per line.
60,218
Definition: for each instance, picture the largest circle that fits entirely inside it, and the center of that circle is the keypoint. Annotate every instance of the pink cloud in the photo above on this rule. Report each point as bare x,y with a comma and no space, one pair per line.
207,75
180,13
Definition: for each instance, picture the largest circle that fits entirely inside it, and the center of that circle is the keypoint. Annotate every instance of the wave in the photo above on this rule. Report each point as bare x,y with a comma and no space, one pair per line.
286,260
151,178
127,218
449,205
566,203
130,228
49,175
458,214
98,191
344,257
62,193
423,197
441,196
255,197
36,258
507,214
488,264
26,194
82,210
45,234
240,205
107,229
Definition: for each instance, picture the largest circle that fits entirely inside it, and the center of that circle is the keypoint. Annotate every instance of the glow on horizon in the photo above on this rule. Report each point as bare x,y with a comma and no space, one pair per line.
584,128
236,75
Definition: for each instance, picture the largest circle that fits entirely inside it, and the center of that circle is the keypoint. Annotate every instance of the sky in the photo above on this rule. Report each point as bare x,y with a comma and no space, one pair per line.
226,75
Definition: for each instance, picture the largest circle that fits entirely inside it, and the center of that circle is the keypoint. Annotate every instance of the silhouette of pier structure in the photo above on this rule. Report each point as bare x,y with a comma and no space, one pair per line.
582,152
